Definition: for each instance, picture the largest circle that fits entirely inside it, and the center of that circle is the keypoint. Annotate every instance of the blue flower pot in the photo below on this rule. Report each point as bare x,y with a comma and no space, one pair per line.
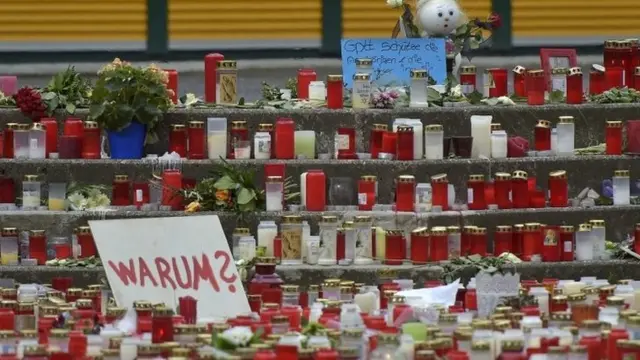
129,142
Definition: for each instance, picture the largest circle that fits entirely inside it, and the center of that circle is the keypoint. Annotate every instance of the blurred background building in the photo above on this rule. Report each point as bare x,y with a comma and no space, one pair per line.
187,28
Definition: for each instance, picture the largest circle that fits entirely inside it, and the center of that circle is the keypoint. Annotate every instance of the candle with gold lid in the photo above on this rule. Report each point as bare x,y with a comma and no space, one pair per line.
419,84
621,187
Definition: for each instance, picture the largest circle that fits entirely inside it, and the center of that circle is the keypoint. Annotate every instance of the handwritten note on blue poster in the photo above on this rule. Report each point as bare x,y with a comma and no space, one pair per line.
394,58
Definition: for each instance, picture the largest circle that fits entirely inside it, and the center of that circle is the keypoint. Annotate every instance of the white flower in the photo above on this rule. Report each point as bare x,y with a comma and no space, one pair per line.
77,201
457,91
510,257
394,4
190,100
238,335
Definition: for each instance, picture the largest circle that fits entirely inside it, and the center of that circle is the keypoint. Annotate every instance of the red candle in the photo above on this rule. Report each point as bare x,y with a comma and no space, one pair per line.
316,194
389,140
394,247
325,354
178,140
91,141
120,195
265,354
566,242
86,242
439,244
162,325
285,139
335,90
518,234
574,86
375,139
617,336
305,77
531,241
440,191
497,82
520,189
340,245
38,246
502,190
596,80
479,241
614,77
404,144
210,69
610,55
636,78
636,239
405,193
465,239
551,244
420,246
172,84
239,132
613,138
476,192
346,143
367,192
7,190
468,79
503,240
626,56
171,186
274,170
635,52
558,189
73,127
519,73
535,86
542,135
7,140
277,248
51,127
197,146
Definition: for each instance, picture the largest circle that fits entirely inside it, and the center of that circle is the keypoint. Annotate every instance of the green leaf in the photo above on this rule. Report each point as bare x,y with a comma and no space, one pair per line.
225,183
70,108
556,96
96,110
245,196
475,97
49,96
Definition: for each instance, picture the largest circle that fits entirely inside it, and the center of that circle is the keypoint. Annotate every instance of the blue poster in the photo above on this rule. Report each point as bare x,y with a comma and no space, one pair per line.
394,58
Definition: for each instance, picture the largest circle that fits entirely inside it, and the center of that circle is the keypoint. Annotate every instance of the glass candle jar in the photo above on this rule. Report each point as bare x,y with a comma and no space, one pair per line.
86,242
503,240
559,80
454,241
476,192
291,233
613,138
584,243
566,243
216,138
38,246
196,140
178,140
433,142
284,139
238,133
558,189
305,77
31,192
171,185
362,227
621,187
317,91
420,246
495,82
566,130
274,190
502,190
9,253
367,192
21,143
468,79
290,295
440,191
575,93
331,289
262,142
328,232
361,91
237,234
394,247
405,193
531,242
8,136
419,84
519,73
478,240
597,80
25,316
227,82
610,54
438,244
345,143
37,142
466,238
598,236
535,87
375,139
91,141
520,189
349,243
335,94
404,150
364,66
481,350
120,195
614,77
518,236
542,135
499,144
162,325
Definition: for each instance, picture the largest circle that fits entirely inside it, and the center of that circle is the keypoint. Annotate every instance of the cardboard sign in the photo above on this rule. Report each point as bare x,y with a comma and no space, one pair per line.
394,58
162,259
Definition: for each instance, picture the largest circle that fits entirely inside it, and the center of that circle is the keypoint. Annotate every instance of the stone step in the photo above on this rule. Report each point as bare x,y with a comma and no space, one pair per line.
583,171
620,220
304,275
516,120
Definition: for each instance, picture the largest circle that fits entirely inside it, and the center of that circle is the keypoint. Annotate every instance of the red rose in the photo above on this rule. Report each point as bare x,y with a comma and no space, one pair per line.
494,20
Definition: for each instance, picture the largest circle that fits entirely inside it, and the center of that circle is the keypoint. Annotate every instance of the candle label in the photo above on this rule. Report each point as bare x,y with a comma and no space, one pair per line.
264,146
550,238
342,142
567,247
313,252
362,199
469,195
291,244
423,195
228,88
559,83
468,88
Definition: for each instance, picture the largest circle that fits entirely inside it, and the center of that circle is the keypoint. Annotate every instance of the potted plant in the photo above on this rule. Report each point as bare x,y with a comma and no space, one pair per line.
129,102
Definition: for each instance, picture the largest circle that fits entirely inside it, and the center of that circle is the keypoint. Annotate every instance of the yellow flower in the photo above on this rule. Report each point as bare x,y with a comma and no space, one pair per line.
192,207
222,195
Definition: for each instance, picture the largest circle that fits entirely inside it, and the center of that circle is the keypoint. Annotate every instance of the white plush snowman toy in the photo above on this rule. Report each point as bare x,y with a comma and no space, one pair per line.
439,18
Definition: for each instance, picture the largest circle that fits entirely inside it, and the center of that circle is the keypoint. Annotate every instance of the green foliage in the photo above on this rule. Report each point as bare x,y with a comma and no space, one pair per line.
67,90
557,97
126,93
472,264
616,96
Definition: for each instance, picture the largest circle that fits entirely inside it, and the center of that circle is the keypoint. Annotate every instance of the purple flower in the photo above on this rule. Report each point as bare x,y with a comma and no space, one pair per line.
607,188
385,96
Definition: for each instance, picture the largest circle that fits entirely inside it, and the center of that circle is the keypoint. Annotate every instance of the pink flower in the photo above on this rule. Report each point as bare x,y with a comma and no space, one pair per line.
393,94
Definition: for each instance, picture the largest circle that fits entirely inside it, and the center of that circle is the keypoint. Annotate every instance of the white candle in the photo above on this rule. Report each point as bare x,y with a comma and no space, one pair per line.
361,91
418,95
262,146
481,133
554,141
566,136
584,243
303,189
267,232
418,143
217,138
433,142
598,236
317,90
499,144
621,187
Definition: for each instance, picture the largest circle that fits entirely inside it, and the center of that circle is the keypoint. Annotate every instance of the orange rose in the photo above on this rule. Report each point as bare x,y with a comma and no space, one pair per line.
222,195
